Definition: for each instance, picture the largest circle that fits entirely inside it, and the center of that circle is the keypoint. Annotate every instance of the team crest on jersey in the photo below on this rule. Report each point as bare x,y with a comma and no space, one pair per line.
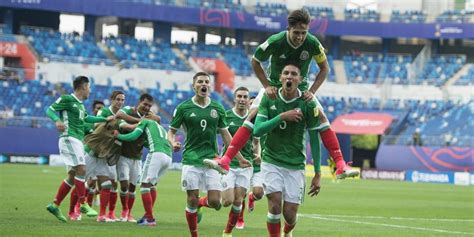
304,55
316,112
184,184
213,113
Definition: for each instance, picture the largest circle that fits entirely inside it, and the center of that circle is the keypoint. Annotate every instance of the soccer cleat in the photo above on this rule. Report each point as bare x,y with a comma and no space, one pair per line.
346,171
146,222
251,203
56,212
86,209
131,219
112,217
240,224
103,219
74,216
226,234
124,216
199,214
214,164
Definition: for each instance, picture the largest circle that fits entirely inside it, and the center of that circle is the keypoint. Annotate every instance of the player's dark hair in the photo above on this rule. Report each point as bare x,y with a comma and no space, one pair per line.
252,97
97,102
299,16
79,81
242,88
115,94
293,63
146,96
200,74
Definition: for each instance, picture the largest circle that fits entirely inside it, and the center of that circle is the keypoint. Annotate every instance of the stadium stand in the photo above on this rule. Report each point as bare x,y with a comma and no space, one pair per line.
468,79
456,16
361,15
65,47
410,16
271,9
144,54
321,12
440,68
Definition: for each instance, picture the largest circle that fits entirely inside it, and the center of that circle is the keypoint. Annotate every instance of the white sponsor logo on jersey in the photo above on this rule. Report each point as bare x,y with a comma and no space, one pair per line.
231,124
192,115
282,56
273,107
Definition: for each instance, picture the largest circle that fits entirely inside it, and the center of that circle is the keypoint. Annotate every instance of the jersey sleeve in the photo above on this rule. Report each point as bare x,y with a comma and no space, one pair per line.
264,51
62,103
319,54
135,133
222,123
101,112
177,120
312,116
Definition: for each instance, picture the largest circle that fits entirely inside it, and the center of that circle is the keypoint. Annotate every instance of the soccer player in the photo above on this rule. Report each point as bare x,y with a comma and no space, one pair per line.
129,164
295,44
157,162
70,123
284,120
237,181
202,118
74,211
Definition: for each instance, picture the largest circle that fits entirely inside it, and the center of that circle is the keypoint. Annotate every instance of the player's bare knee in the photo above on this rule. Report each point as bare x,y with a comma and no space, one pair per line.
131,188
80,170
124,186
237,203
226,202
258,193
214,202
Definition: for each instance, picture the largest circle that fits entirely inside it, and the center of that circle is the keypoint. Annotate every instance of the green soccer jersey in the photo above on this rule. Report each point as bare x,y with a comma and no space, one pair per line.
235,121
200,124
105,112
156,136
280,51
284,145
72,112
88,128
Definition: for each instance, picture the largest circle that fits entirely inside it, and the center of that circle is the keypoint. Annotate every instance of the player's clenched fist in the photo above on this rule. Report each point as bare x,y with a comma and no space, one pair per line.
60,126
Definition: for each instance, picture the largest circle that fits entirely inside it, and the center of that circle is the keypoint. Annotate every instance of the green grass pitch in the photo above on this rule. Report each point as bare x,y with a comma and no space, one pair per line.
349,208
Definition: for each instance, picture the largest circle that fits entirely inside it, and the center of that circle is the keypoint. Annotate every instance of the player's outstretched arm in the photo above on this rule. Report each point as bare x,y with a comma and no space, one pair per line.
131,136
271,91
129,119
320,77
97,119
316,156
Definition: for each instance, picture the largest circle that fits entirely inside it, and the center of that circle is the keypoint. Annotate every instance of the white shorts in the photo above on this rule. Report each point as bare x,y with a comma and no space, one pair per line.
258,99
200,178
99,167
237,178
72,151
129,169
155,166
291,183
257,179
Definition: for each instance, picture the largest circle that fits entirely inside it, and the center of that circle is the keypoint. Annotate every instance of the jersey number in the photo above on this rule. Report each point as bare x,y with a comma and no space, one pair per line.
203,124
283,125
163,132
81,114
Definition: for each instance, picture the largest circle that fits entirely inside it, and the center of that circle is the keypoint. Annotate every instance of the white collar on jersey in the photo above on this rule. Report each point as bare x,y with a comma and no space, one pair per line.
241,117
112,111
288,101
76,97
289,41
198,105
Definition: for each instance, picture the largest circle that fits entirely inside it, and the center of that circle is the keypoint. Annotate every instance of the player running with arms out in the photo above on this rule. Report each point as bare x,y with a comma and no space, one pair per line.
295,44
237,181
285,120
70,123
157,162
201,118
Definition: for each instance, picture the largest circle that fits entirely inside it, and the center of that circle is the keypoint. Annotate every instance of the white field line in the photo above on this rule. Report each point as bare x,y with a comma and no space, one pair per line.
387,225
390,218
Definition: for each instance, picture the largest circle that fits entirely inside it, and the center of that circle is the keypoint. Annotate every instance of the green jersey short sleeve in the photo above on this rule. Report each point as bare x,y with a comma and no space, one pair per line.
105,112
285,144
201,124
235,121
72,113
280,52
